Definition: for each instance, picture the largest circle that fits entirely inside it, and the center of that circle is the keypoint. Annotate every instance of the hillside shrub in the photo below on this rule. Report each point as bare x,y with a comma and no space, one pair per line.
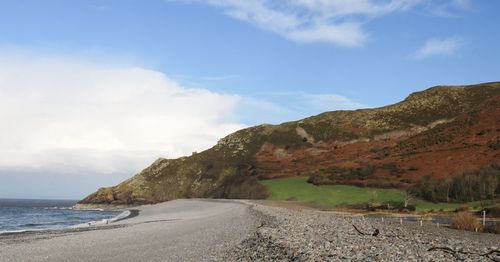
412,168
394,169
319,178
364,171
480,184
494,145
392,206
465,221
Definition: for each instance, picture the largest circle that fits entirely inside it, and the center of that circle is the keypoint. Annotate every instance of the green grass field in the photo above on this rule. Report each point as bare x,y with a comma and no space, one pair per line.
297,189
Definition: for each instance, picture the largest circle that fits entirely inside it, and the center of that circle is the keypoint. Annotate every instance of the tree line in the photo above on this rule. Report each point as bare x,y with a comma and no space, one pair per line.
480,184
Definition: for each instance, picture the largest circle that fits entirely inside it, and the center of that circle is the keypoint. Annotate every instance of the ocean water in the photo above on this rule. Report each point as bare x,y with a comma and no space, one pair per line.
18,215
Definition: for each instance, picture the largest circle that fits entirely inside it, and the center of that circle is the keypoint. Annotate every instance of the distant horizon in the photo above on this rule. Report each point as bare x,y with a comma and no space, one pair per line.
9,198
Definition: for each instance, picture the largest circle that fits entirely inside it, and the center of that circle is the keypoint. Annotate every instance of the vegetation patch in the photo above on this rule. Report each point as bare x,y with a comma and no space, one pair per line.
466,221
298,189
480,184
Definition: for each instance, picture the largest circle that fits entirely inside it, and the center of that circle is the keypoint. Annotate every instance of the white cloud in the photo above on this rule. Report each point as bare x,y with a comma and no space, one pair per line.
310,21
277,107
70,115
345,34
330,102
356,7
439,47
449,8
338,22
318,102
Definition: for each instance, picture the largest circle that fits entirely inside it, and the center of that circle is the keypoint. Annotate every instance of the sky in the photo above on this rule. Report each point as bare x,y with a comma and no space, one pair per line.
93,91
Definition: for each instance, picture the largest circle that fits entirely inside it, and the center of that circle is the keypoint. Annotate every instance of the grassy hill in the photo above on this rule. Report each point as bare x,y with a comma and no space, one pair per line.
437,132
330,196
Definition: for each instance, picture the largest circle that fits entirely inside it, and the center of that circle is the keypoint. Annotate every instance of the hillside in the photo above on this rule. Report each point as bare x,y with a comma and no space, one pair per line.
440,131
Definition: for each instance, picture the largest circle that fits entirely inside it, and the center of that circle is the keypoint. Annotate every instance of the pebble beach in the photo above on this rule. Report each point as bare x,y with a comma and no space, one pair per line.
236,230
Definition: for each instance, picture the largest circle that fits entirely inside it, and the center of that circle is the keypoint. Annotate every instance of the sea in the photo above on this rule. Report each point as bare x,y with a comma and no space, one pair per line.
20,215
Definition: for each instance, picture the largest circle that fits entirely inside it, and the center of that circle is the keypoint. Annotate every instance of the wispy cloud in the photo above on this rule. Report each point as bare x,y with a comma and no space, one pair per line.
318,102
333,21
330,102
338,22
439,47
449,8
277,107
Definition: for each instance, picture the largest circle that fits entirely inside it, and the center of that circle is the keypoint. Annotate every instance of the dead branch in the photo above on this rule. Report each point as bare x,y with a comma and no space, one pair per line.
375,233
361,233
445,249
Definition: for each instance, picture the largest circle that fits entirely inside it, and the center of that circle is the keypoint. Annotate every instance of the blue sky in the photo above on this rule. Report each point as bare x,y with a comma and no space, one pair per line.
212,67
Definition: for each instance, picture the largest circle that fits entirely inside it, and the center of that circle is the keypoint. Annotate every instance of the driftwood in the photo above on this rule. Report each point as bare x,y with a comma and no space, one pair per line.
493,254
375,233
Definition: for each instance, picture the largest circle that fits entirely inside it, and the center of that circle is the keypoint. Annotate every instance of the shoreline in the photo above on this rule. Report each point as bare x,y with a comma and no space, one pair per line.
244,230
106,207
125,214
427,217
179,230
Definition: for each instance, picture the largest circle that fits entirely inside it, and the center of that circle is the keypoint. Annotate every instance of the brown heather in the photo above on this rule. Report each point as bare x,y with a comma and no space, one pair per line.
439,132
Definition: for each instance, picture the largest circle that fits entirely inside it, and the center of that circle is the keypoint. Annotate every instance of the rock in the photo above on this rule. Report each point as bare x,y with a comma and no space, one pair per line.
299,235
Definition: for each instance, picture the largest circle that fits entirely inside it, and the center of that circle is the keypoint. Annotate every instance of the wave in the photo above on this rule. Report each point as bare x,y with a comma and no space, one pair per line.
7,232
58,208
18,231
61,225
122,215
88,209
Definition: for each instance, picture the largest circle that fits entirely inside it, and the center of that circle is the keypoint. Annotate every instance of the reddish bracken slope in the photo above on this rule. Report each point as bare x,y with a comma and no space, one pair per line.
395,159
440,131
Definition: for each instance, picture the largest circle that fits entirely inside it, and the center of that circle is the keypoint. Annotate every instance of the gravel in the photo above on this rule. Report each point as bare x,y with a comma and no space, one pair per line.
229,230
305,235
179,230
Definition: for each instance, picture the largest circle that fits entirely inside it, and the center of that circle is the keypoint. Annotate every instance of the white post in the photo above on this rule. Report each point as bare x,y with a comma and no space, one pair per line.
421,222
382,219
437,224
401,221
484,217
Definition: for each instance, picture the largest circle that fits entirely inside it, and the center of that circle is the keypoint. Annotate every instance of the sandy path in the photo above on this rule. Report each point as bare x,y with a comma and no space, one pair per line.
180,230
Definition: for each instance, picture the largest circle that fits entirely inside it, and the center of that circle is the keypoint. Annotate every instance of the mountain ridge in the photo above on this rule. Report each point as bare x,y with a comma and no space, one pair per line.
389,146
